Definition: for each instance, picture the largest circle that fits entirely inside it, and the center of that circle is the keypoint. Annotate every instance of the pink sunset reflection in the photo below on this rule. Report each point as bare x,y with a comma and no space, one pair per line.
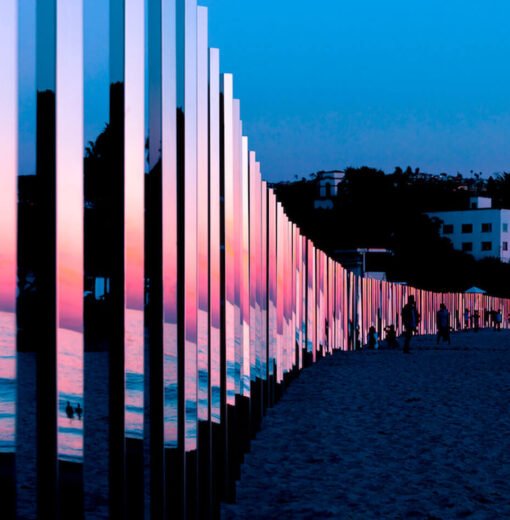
69,199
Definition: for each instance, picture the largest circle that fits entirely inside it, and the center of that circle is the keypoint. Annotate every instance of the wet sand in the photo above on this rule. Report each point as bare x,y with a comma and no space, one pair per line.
381,434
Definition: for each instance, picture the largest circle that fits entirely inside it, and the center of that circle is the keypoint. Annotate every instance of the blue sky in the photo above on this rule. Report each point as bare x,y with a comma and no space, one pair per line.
332,83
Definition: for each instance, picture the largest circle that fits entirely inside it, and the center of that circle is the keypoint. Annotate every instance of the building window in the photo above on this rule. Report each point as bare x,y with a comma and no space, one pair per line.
467,246
447,229
505,228
486,228
505,246
467,228
486,246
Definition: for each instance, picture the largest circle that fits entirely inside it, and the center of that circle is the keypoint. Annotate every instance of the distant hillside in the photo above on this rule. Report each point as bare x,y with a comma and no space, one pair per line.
374,209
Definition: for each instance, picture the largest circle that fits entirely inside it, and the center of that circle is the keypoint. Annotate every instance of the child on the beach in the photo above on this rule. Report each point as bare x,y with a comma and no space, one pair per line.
391,336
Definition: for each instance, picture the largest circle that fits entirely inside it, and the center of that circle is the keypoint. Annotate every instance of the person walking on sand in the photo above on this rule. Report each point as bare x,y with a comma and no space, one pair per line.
443,324
410,320
79,411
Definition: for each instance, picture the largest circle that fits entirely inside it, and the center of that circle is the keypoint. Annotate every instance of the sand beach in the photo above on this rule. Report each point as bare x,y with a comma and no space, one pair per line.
381,434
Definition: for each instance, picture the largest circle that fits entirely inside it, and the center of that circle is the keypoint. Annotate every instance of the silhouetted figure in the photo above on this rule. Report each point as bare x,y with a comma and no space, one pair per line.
492,316
486,317
443,324
391,336
79,411
69,411
373,339
498,320
410,320
350,335
476,321
466,319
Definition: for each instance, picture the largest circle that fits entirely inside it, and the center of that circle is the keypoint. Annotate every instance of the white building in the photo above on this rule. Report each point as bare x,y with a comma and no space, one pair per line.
328,183
481,230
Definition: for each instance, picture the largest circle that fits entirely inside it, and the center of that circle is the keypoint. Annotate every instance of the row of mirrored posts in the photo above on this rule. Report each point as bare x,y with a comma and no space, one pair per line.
155,299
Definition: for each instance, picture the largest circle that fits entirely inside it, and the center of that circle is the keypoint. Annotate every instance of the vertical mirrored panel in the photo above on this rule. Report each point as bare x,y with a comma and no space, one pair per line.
154,315
203,215
304,290
69,198
237,194
100,206
280,290
245,268
254,269
134,189
190,225
214,233
169,119
272,281
316,300
264,288
289,285
31,224
229,218
297,293
8,251
8,221
43,340
310,301
321,322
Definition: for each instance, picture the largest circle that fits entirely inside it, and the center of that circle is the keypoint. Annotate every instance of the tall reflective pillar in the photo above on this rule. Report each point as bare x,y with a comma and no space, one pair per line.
8,251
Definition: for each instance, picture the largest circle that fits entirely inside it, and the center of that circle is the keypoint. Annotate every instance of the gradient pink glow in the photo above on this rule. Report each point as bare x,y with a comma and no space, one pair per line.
264,276
254,267
69,200
281,266
190,225
230,259
299,294
8,153
214,232
169,219
245,267
8,214
304,291
272,282
202,214
134,175
238,329
311,309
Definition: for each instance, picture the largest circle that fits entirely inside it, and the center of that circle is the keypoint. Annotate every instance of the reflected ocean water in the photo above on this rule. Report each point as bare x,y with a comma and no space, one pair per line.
70,376
7,381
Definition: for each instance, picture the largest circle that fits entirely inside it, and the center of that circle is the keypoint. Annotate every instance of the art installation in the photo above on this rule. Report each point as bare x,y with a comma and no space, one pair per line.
155,299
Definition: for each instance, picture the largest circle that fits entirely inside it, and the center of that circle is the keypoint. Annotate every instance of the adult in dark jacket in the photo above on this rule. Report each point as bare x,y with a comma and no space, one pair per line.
410,320
443,324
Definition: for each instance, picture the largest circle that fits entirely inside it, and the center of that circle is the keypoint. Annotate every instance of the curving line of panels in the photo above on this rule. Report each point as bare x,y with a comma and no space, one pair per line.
155,298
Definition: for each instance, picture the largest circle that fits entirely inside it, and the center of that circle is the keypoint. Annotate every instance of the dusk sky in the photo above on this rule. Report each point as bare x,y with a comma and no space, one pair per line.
334,83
